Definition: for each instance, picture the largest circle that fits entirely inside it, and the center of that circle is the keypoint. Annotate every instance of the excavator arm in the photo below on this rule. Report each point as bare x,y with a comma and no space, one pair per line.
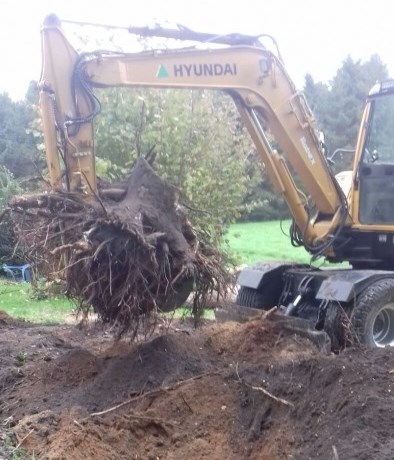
240,66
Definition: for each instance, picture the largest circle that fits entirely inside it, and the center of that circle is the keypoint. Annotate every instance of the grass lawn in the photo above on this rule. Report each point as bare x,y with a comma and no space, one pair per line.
255,241
15,299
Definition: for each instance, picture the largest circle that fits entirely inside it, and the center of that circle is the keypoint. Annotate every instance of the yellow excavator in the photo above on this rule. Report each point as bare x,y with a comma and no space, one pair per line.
347,218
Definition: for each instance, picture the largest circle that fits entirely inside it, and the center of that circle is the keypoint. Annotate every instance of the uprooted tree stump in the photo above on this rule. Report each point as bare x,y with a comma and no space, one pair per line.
128,252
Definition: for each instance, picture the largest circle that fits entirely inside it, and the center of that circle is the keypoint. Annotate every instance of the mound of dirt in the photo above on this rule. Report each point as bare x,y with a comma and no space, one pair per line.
227,390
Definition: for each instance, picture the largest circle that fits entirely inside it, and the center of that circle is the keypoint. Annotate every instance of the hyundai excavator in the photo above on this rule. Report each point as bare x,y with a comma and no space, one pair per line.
343,218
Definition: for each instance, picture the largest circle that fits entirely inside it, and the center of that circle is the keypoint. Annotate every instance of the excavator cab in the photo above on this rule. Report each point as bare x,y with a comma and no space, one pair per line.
376,168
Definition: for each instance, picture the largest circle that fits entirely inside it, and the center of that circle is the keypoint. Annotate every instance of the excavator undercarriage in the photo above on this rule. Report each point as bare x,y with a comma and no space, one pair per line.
329,299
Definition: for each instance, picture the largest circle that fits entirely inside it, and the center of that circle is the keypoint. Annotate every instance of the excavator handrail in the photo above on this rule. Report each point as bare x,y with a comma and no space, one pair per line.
183,33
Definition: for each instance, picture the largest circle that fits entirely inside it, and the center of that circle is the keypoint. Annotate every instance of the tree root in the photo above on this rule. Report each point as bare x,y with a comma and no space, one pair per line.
264,391
126,258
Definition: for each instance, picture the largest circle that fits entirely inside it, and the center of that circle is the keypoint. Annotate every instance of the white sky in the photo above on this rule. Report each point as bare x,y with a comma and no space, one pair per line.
314,36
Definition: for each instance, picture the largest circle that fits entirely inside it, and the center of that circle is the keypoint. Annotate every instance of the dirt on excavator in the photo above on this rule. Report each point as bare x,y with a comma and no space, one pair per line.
222,391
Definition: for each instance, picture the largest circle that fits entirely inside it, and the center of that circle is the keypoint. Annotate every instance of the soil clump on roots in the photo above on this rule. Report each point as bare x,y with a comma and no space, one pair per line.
127,253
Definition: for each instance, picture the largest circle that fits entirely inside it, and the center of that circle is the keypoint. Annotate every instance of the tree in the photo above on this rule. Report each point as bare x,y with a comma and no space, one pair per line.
198,140
261,202
18,158
17,148
338,106
8,188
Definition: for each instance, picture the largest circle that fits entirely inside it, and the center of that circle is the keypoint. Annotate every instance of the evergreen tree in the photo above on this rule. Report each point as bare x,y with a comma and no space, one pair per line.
338,107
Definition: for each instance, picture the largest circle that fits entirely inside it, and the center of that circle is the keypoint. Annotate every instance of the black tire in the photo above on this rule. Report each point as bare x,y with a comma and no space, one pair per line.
251,298
266,296
334,322
373,315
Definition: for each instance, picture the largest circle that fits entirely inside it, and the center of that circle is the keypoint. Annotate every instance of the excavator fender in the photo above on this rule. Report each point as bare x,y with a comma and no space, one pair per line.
263,274
261,285
346,285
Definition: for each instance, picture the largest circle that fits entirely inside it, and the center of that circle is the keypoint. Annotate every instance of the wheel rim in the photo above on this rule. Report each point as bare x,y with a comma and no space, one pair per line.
383,326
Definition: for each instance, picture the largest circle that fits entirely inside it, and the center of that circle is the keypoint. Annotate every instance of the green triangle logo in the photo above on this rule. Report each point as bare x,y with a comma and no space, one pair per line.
161,72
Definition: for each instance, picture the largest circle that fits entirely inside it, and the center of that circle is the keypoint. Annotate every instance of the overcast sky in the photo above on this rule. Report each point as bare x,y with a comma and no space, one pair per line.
314,36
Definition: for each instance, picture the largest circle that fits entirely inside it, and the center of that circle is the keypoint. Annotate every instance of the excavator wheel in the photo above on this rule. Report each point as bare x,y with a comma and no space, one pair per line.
253,298
334,325
248,297
266,296
373,316
333,322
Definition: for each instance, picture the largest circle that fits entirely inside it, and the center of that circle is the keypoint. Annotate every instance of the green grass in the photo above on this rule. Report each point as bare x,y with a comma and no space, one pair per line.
15,300
256,241
185,312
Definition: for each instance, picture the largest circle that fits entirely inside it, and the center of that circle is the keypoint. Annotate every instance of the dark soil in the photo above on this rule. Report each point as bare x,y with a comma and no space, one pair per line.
189,395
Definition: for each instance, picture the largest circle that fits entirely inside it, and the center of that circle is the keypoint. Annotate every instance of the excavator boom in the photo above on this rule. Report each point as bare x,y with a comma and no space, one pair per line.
253,76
